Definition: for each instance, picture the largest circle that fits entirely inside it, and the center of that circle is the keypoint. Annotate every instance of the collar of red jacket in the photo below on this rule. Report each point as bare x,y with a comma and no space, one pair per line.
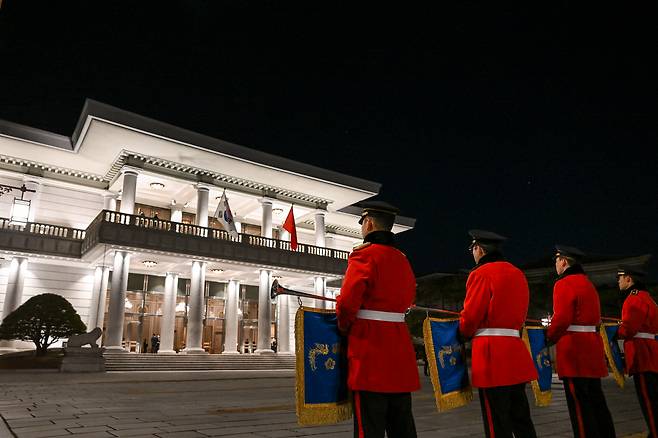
571,270
494,256
380,237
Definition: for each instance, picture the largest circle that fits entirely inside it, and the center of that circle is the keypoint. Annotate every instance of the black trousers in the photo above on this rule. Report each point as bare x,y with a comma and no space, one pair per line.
376,413
646,386
589,413
506,413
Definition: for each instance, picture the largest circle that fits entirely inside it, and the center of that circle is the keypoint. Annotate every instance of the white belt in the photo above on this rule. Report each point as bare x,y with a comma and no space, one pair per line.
376,315
497,332
644,335
582,328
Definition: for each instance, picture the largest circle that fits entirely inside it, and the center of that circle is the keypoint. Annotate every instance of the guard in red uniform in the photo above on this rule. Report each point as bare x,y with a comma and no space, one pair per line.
379,286
638,329
495,309
580,355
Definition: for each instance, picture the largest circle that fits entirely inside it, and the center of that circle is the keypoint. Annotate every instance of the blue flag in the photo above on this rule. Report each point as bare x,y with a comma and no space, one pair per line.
535,339
446,356
612,351
321,354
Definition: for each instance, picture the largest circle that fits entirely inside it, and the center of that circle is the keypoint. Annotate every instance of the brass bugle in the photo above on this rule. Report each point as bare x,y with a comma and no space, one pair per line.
277,289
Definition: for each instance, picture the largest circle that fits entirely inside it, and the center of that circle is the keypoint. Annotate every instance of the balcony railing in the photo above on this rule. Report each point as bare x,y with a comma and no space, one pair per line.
212,233
44,229
51,239
128,230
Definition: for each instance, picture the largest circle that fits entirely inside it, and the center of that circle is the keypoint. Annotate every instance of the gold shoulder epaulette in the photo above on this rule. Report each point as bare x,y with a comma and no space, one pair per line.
634,292
363,245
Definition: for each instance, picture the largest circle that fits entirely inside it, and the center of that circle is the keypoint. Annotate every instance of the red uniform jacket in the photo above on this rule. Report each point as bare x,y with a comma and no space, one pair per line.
576,302
639,314
381,357
497,297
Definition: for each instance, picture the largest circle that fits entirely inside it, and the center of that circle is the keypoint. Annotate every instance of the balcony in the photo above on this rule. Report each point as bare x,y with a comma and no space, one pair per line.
139,232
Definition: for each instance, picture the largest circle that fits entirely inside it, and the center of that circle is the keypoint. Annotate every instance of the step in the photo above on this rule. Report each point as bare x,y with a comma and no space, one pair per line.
182,362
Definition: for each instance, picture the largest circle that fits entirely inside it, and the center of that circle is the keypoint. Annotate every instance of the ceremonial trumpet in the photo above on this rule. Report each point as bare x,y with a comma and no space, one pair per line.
277,289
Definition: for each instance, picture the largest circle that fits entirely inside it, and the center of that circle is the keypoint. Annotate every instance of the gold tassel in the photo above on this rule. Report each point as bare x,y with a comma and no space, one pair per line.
617,374
542,398
452,400
318,413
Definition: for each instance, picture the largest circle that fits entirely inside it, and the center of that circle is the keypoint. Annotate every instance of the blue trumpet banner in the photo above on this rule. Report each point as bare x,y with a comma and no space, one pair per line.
535,339
612,351
447,363
321,359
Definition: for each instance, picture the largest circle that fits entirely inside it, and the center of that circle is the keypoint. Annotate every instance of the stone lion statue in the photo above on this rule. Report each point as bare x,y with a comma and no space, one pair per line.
85,338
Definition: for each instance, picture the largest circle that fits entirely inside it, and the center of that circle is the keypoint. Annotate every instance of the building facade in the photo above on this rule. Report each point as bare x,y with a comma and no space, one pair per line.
119,219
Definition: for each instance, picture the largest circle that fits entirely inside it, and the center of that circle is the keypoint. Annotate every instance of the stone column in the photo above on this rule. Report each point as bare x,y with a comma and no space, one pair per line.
231,318
14,294
177,213
202,192
283,331
266,224
195,314
110,202
320,286
320,228
168,314
117,308
129,190
264,312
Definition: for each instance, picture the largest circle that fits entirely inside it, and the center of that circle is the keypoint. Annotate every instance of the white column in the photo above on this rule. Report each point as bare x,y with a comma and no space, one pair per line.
320,286
238,225
177,213
202,192
13,293
319,228
330,241
95,298
266,223
129,190
195,314
231,318
110,202
168,324
264,312
283,330
117,308
102,295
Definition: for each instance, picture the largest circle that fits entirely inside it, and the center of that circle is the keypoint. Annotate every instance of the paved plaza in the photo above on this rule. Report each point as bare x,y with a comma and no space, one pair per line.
231,404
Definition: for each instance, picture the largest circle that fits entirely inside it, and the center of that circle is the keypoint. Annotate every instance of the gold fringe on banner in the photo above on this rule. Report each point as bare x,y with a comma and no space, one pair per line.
315,414
616,373
451,400
542,398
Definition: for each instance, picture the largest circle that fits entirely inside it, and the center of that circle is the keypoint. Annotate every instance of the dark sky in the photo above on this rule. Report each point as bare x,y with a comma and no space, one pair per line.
540,124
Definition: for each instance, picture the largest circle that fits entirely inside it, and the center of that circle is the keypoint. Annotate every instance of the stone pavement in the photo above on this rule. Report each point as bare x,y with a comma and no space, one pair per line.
230,404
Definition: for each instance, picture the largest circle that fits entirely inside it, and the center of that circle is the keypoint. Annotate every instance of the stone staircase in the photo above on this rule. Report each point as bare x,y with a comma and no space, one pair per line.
197,362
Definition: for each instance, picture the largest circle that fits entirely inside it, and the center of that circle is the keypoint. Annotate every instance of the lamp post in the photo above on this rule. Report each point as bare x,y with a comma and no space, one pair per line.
20,209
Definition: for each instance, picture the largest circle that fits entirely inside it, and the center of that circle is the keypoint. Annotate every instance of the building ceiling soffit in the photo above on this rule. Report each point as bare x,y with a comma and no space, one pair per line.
196,174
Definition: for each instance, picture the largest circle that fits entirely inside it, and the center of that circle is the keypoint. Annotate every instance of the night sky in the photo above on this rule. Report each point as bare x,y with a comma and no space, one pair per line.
540,124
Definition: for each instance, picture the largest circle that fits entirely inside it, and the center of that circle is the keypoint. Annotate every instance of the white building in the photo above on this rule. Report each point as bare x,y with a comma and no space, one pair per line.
120,224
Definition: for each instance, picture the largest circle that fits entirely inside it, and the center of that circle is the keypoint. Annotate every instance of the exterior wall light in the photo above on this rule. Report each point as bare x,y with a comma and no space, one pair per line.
276,211
20,209
157,186
149,263
216,270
